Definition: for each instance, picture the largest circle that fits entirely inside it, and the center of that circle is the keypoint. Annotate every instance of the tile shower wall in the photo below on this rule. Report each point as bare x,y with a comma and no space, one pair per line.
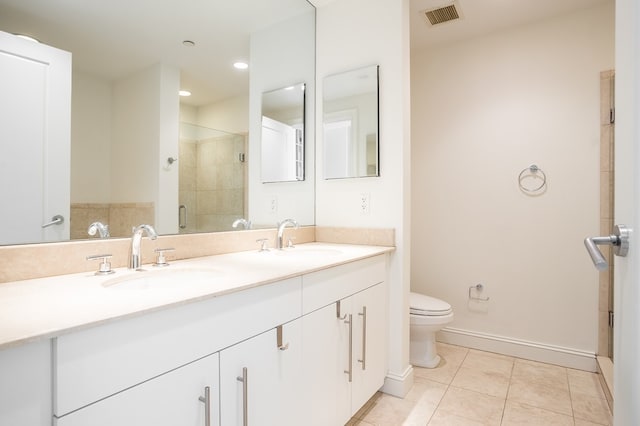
212,183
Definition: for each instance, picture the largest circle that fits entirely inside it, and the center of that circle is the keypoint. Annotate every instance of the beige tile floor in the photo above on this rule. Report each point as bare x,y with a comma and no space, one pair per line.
473,388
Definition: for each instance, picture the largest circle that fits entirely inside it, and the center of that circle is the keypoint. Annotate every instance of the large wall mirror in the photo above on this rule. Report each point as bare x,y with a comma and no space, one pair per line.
142,154
350,124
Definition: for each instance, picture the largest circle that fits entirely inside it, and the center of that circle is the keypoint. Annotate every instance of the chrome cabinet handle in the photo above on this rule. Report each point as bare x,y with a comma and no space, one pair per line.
182,216
619,240
282,347
56,220
349,372
206,399
363,314
245,395
338,313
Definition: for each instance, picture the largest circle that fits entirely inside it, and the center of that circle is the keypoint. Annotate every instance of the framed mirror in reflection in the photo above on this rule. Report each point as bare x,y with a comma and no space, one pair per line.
350,124
282,136
129,60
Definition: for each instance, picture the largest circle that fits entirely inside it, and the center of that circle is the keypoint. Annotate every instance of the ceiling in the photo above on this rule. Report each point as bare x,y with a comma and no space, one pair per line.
113,38
480,17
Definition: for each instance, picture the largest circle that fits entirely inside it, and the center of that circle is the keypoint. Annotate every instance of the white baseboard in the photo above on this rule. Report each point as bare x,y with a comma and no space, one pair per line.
565,357
398,384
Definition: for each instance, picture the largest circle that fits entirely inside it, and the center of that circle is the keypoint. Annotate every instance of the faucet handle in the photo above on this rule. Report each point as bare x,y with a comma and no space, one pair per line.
160,259
263,244
105,265
290,242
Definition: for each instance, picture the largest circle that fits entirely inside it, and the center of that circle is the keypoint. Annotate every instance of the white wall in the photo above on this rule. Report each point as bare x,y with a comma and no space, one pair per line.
274,69
90,139
145,133
230,115
482,111
352,34
168,140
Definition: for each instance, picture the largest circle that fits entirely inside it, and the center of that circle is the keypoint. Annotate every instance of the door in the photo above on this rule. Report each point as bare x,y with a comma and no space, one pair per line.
369,342
35,120
326,354
626,410
178,397
260,379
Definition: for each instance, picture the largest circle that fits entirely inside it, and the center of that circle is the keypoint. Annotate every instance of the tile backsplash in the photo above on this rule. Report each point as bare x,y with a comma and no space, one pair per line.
22,262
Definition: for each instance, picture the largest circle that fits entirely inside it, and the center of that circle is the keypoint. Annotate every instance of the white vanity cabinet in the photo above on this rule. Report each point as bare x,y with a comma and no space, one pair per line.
279,353
344,341
102,366
25,385
260,379
186,396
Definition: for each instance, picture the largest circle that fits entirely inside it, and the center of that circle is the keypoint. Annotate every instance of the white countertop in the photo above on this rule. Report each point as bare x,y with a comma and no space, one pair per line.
47,307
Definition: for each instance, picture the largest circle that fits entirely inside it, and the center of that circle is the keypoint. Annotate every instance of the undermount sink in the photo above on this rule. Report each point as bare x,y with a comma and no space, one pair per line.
301,251
169,278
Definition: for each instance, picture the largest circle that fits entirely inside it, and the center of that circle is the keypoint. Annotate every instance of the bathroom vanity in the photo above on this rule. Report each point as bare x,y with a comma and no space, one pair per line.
281,337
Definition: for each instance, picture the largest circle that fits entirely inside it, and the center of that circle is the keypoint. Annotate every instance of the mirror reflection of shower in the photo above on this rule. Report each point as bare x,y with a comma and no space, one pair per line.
212,169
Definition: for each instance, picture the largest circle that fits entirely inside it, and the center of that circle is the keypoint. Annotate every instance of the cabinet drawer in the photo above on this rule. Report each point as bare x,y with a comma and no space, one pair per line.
92,364
327,286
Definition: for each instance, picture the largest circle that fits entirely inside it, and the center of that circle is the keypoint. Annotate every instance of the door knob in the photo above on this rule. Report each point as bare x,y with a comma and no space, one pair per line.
619,240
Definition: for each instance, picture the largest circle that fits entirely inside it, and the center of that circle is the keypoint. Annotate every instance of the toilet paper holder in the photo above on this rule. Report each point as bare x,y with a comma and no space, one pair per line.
478,288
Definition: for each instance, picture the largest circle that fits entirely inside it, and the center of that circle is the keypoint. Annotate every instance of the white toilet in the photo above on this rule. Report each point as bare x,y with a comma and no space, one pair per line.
427,316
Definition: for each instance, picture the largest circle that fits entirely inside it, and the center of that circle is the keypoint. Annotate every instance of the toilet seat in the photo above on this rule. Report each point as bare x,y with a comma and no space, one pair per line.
423,305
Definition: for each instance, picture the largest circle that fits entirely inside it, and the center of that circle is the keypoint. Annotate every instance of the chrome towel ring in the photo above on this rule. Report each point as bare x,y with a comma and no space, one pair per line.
533,172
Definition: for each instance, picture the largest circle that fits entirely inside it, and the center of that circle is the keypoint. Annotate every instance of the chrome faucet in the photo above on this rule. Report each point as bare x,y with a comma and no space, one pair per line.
136,238
99,227
281,227
244,222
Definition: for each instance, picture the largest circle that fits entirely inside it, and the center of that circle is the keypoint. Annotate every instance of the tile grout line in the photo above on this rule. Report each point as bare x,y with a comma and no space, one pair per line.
506,397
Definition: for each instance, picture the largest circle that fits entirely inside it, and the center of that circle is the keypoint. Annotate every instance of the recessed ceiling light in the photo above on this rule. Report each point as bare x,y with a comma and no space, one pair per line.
241,65
188,43
184,93
26,37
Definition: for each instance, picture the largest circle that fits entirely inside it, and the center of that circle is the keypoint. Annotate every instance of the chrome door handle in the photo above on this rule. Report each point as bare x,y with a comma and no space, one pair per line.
349,372
363,314
282,346
619,240
206,399
182,216
56,220
245,395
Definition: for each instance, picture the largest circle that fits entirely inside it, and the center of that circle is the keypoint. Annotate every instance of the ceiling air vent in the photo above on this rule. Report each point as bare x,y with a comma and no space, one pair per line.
442,14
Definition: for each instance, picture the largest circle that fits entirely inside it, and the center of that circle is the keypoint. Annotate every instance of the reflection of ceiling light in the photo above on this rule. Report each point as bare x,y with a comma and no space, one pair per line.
289,88
188,43
26,37
184,93
240,65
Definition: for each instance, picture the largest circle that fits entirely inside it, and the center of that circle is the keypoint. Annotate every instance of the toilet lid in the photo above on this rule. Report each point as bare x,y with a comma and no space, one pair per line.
421,304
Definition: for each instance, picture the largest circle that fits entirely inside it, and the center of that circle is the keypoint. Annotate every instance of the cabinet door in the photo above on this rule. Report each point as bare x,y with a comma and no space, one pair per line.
177,398
25,385
325,341
369,344
260,382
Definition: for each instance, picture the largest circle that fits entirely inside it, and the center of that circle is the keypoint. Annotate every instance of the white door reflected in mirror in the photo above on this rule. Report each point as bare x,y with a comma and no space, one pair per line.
350,124
282,136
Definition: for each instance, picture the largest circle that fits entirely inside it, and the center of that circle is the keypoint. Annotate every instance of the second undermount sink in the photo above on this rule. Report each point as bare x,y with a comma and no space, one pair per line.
311,251
169,278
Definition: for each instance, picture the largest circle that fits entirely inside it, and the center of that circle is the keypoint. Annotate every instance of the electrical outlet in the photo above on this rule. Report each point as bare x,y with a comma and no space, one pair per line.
273,204
364,203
